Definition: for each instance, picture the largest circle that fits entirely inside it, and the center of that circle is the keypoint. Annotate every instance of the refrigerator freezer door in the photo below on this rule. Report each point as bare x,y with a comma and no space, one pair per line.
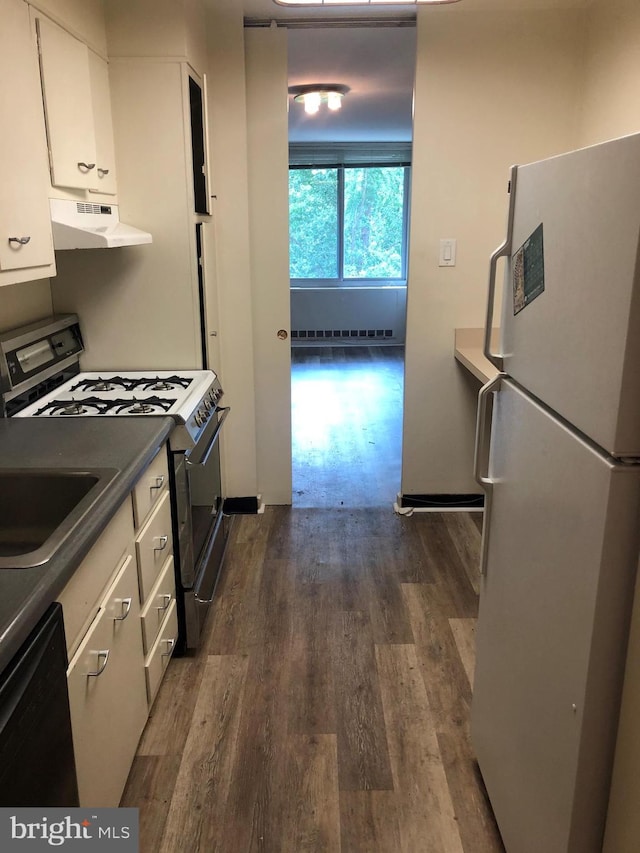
552,628
571,309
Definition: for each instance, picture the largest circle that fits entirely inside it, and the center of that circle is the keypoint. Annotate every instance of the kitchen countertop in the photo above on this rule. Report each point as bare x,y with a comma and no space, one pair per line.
468,350
125,444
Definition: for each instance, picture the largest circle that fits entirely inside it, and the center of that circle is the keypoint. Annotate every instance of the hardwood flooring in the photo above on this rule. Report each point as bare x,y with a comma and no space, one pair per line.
346,419
328,708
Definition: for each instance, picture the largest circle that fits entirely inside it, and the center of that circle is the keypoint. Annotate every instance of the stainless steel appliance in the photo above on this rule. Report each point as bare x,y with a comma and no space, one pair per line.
39,368
558,451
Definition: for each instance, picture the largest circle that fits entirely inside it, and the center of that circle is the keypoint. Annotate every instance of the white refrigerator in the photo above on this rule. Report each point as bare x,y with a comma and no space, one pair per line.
558,452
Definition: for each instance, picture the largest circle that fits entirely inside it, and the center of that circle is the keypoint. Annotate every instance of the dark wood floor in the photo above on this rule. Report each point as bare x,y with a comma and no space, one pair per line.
328,709
346,418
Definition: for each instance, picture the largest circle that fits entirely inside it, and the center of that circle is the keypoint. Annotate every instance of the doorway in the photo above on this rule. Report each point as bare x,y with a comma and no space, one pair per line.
348,201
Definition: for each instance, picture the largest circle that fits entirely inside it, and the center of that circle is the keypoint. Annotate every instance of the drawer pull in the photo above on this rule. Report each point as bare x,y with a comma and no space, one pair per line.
159,483
86,167
22,241
170,646
103,653
125,605
166,601
163,540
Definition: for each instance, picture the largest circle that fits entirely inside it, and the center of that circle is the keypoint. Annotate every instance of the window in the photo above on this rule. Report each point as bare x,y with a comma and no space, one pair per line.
348,224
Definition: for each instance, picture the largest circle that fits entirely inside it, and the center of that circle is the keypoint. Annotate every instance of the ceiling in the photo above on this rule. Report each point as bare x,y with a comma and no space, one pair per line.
341,45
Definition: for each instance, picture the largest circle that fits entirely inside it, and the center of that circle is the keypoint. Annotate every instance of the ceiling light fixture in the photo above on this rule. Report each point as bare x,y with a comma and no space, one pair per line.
329,3
316,94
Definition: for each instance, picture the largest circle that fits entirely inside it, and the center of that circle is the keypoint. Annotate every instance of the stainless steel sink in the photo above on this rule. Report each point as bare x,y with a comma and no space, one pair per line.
40,509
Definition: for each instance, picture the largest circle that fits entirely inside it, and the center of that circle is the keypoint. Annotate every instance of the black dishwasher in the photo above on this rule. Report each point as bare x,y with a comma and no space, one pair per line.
37,766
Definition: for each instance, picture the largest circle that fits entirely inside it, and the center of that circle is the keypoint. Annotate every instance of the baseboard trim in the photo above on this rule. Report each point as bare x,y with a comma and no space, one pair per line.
407,504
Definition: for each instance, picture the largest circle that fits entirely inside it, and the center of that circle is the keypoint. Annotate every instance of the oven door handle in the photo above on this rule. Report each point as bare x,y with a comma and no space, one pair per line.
203,456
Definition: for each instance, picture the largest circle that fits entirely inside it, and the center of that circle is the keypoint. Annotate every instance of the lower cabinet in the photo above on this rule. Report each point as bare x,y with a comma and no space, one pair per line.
107,693
121,628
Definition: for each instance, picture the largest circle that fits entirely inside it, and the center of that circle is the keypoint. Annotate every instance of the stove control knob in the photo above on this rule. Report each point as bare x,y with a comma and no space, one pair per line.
199,418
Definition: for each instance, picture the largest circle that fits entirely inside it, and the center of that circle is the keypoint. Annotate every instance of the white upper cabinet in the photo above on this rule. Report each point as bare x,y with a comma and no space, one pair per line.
105,173
26,246
75,86
66,86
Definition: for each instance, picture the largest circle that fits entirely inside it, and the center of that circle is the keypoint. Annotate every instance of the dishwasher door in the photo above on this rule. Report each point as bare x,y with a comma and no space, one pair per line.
37,766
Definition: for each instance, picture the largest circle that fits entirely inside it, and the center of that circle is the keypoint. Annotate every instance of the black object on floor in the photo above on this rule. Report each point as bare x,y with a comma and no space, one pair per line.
240,506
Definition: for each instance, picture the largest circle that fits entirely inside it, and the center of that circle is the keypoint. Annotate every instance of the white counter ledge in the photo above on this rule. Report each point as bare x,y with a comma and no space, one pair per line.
468,349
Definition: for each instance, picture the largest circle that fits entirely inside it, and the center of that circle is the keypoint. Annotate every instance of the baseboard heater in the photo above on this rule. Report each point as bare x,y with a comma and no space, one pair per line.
323,334
441,502
241,506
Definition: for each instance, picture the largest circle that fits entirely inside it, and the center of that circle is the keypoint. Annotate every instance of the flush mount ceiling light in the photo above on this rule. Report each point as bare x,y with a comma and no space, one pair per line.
329,3
315,94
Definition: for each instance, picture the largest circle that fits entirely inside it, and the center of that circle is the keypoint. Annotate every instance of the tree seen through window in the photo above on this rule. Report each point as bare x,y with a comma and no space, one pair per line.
347,222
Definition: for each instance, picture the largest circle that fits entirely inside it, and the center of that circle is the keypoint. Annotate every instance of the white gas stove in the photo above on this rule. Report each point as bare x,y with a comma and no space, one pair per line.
188,396
40,376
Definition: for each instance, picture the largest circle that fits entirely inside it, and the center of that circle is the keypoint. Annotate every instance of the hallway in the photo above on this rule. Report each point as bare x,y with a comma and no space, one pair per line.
346,411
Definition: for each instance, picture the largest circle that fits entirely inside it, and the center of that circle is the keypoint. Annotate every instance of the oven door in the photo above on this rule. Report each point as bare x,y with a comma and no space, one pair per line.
202,531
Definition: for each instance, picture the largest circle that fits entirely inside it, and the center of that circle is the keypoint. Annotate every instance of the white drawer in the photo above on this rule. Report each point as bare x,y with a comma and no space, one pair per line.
150,487
108,707
81,596
160,654
153,545
157,605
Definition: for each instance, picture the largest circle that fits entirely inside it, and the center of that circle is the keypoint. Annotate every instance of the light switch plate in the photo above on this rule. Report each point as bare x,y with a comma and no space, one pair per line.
447,252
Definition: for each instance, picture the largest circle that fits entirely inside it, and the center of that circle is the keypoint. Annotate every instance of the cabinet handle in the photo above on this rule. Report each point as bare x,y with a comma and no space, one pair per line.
159,483
125,605
102,172
86,167
163,543
21,240
167,599
170,646
103,653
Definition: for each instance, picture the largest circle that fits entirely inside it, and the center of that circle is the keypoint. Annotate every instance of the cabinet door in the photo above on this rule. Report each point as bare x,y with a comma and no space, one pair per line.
107,694
66,85
25,227
104,179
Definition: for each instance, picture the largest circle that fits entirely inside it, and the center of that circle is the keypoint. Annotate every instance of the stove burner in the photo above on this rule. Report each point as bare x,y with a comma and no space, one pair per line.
89,405
141,407
100,384
167,383
73,409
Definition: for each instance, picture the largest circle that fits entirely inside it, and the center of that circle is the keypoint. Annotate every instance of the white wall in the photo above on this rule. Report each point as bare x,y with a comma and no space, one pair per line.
611,104
347,308
83,18
24,303
492,89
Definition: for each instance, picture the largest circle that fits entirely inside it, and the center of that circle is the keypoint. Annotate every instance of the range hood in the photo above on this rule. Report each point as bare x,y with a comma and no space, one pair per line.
82,225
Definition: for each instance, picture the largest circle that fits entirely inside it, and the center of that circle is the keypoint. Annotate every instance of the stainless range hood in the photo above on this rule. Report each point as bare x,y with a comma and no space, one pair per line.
82,225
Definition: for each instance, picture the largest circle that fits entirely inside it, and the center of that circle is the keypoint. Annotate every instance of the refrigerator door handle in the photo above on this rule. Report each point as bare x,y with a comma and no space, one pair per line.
481,459
501,252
